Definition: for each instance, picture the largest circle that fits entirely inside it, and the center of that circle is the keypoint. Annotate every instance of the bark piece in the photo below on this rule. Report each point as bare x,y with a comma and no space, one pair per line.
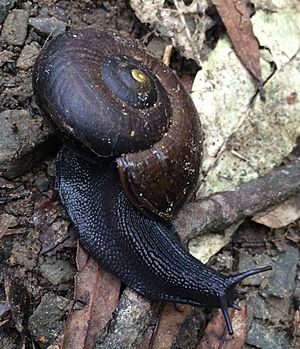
236,18
216,335
220,210
96,297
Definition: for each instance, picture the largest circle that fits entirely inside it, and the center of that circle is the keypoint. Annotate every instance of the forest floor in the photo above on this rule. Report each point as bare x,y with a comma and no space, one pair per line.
38,242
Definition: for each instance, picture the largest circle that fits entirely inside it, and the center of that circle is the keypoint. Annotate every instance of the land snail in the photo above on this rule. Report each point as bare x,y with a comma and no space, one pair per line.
132,160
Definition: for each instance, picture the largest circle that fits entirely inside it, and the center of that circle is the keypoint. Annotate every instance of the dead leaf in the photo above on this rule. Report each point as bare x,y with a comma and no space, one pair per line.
280,216
171,318
54,229
96,296
235,121
236,18
18,299
216,335
275,5
185,24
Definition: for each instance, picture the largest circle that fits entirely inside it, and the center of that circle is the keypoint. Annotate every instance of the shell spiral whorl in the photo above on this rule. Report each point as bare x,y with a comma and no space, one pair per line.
125,79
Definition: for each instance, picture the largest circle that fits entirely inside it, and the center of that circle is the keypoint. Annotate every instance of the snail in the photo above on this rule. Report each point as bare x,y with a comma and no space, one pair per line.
131,161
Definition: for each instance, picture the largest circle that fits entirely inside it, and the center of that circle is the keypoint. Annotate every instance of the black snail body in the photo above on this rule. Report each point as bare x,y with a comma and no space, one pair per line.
126,116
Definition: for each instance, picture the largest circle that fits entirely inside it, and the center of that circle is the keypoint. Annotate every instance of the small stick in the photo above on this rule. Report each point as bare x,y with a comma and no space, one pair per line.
220,210
167,55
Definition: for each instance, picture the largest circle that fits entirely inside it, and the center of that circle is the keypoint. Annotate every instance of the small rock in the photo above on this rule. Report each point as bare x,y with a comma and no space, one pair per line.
247,262
261,337
51,169
14,30
282,283
279,310
133,319
46,321
25,252
28,56
259,307
10,68
42,183
5,6
7,221
48,26
157,46
9,339
98,15
296,296
23,142
58,271
5,56
5,184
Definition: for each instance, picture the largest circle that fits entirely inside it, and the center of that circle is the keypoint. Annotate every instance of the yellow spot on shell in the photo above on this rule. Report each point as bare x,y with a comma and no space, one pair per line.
142,79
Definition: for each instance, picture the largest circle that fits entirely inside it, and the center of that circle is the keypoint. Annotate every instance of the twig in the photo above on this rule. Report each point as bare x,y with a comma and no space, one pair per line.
220,210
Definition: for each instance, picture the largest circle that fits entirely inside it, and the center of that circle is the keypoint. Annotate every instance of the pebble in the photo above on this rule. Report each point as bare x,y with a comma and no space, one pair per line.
28,56
14,30
282,283
46,321
42,183
157,46
23,142
5,6
8,220
261,337
5,56
247,262
48,26
296,296
9,339
259,307
58,271
5,184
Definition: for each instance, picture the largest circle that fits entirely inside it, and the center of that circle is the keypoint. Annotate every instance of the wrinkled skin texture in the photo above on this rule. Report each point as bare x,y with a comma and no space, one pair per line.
145,254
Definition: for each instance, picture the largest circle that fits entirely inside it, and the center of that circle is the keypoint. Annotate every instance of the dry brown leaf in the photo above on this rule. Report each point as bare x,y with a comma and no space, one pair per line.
236,18
171,318
18,299
216,335
95,297
280,216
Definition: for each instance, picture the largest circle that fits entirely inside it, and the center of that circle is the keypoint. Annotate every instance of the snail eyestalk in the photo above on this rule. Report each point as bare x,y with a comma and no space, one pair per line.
235,279
224,308
225,300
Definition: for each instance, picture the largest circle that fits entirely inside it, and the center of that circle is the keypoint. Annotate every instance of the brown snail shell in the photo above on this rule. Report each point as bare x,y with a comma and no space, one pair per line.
105,94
